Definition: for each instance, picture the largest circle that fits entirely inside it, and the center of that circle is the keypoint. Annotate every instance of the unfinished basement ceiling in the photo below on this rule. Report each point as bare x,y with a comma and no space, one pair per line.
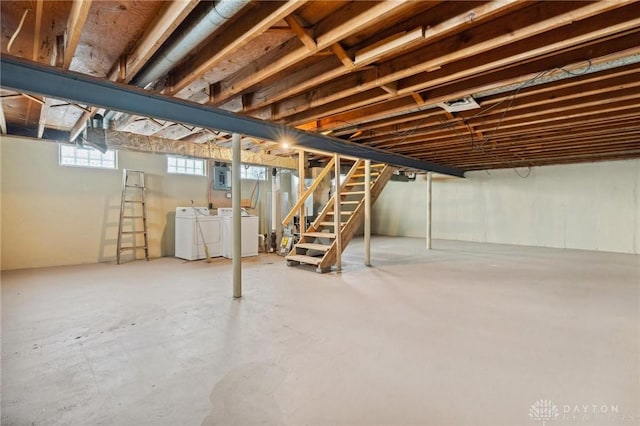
555,82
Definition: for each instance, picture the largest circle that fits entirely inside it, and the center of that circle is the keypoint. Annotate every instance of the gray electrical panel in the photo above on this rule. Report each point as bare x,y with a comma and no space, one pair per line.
222,177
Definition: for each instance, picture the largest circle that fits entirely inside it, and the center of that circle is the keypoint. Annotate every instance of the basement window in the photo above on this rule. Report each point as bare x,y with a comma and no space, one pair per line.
186,166
253,172
71,155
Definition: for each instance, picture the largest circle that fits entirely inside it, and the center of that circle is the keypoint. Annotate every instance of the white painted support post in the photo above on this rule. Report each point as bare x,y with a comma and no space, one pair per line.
274,190
367,212
301,167
428,210
337,215
236,195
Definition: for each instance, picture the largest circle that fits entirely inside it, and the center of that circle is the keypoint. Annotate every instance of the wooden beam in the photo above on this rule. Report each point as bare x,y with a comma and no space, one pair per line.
416,97
75,24
303,34
394,45
452,50
44,111
514,75
346,21
157,33
36,31
81,124
254,23
344,57
141,143
327,69
301,200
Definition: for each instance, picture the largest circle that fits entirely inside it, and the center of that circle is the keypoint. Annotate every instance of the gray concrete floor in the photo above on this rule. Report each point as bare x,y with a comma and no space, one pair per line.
466,334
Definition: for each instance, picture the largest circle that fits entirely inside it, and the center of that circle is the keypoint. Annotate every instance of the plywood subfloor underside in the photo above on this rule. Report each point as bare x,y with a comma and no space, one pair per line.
466,334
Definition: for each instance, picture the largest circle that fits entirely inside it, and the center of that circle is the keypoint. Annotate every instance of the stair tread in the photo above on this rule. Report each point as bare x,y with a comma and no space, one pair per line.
352,193
346,212
319,234
332,224
378,165
313,246
134,232
350,202
373,174
304,259
354,184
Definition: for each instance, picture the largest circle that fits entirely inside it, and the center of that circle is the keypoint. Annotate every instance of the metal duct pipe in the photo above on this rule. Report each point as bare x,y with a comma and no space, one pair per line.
179,47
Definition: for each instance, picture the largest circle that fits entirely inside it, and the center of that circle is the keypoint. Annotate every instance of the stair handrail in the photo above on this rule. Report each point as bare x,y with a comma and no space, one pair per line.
329,205
308,192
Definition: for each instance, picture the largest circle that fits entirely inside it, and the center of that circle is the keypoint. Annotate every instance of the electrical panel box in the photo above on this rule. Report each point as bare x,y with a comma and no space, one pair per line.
222,178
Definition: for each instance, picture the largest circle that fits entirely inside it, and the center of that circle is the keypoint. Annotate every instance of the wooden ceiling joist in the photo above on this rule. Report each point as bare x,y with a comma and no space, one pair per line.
338,93
338,26
258,20
328,70
75,24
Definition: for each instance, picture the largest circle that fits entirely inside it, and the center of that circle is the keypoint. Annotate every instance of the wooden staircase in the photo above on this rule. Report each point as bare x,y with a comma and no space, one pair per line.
317,246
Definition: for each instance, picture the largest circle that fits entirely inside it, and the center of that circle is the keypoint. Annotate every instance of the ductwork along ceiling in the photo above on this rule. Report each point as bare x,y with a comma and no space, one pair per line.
464,85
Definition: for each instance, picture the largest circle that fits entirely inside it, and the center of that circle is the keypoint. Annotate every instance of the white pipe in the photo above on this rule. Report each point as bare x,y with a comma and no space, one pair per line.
367,212
236,194
337,215
429,211
184,44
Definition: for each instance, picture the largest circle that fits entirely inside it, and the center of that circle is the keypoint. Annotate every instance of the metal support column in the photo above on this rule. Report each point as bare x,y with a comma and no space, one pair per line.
428,210
367,212
337,215
236,194
301,167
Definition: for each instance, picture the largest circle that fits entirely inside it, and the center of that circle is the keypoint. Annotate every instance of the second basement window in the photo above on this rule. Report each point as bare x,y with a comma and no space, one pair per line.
186,166
253,172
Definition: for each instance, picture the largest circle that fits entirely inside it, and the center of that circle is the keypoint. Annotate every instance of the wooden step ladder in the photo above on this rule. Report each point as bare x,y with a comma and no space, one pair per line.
133,195
317,246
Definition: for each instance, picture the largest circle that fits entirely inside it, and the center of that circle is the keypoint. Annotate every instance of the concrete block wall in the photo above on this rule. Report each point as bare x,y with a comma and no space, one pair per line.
592,206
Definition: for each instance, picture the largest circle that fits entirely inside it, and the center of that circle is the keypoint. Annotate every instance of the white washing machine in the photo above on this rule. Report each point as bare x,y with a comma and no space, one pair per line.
189,240
248,230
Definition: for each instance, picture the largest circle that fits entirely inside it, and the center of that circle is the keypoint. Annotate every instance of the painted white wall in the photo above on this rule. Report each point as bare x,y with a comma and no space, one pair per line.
53,215
594,206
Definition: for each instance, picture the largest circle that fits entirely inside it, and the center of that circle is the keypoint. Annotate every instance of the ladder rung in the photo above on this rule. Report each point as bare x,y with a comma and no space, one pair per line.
313,246
134,186
304,259
132,248
332,224
349,202
319,234
134,232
